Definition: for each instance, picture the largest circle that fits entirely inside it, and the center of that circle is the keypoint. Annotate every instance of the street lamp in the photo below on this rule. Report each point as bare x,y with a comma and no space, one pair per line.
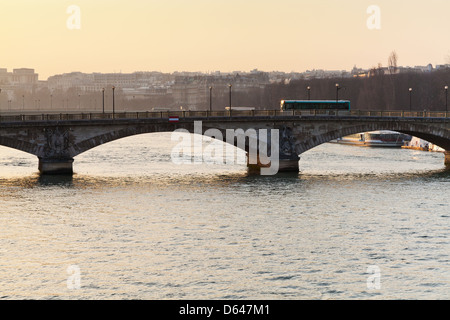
337,91
103,90
210,99
229,86
410,99
446,98
114,108
309,92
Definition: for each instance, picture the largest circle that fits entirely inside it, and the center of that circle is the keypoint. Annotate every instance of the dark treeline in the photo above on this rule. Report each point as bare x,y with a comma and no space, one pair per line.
378,92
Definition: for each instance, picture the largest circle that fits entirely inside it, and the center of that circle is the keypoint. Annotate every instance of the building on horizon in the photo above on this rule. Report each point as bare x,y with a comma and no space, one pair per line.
23,78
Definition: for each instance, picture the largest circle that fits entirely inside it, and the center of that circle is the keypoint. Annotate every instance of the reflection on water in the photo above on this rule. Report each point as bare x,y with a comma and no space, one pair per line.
139,226
283,179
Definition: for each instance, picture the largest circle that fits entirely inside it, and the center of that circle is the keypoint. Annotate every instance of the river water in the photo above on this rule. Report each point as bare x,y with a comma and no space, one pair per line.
355,223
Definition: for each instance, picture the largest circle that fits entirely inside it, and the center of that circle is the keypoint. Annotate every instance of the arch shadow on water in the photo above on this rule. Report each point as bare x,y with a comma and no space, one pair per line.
37,180
66,181
253,178
219,181
437,174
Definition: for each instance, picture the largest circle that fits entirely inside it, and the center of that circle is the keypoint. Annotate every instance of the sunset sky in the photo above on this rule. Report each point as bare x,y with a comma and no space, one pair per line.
209,35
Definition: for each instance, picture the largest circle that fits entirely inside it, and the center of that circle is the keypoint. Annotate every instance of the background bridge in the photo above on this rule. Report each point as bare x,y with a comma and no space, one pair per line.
57,138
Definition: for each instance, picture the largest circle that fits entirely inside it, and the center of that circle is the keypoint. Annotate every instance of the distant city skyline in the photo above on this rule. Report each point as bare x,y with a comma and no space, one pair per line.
57,37
7,74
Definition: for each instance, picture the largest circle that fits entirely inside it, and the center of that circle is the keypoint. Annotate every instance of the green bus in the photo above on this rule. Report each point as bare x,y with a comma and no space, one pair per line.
315,105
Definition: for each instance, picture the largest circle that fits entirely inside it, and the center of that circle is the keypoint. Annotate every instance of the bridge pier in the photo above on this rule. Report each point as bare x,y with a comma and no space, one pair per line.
284,164
289,165
447,158
56,166
287,156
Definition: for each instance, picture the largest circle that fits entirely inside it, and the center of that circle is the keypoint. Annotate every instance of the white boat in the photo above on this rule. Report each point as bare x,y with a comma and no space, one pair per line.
422,145
383,138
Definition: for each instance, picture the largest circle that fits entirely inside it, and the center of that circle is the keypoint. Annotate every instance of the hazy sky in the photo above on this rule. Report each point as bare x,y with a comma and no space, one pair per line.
226,35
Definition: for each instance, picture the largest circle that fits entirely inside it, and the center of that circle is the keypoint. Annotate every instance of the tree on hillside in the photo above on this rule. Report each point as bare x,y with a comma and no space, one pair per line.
392,62
392,68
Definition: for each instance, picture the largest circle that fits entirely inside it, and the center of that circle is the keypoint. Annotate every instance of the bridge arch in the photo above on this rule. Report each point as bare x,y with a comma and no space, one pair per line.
20,145
440,137
127,132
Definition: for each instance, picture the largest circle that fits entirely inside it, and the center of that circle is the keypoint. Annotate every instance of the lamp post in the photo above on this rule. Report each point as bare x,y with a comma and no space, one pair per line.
337,91
309,92
229,86
51,102
210,99
103,91
114,107
446,99
410,99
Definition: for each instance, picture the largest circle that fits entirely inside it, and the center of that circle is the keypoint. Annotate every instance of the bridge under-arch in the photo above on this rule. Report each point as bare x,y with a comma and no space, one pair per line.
56,143
429,133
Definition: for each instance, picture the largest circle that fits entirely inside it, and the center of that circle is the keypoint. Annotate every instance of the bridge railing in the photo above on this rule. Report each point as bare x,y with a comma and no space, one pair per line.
413,114
211,114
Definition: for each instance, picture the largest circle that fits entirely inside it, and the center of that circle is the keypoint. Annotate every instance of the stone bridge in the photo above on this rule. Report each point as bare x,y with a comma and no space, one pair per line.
57,139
